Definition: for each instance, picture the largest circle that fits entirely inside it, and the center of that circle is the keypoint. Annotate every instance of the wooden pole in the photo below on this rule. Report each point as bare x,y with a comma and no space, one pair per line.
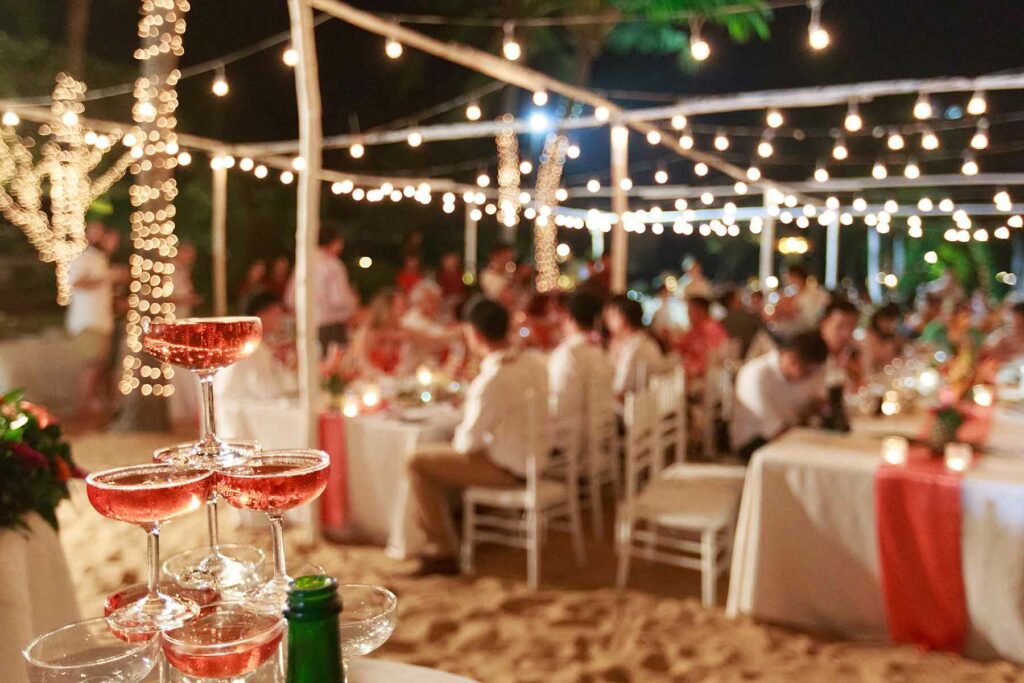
307,224
874,256
766,261
219,221
832,255
470,243
620,204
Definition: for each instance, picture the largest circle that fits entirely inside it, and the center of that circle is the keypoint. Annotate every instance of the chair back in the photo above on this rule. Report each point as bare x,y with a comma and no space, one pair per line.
602,425
643,457
670,391
537,440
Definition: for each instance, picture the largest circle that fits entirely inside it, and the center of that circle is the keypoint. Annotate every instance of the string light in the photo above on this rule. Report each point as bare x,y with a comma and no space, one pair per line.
895,141
914,226
1015,221
601,113
483,180
356,151
593,185
929,140
10,119
753,174
946,205
879,171
184,159
679,122
287,177
220,85
1001,233
977,105
654,137
923,107
686,141
393,48
298,164
509,47
853,121
573,151
765,148
525,167
473,112
821,174
817,37
247,164
970,165
547,194
740,187
540,98
510,171
839,150
707,198
626,184
260,172
415,139
721,142
699,48
290,56
925,204
774,118
912,170
661,176
700,168
860,204
1002,201
980,138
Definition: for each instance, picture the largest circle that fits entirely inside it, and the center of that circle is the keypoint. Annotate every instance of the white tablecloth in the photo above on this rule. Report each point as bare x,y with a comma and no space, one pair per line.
36,593
383,671
806,550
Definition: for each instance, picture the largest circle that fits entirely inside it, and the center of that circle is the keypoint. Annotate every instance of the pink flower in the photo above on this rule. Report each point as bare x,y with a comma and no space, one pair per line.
29,455
43,416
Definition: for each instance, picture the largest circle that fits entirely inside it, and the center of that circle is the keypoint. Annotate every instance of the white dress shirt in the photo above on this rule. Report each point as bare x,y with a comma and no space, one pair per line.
493,282
92,308
496,410
334,301
572,365
260,376
766,403
636,359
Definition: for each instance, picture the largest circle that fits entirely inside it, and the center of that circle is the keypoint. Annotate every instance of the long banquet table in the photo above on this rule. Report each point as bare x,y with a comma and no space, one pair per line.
806,548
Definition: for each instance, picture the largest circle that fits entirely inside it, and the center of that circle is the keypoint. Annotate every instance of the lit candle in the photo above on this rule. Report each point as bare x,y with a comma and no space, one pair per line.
890,403
371,397
424,376
894,450
958,456
983,396
350,408
928,381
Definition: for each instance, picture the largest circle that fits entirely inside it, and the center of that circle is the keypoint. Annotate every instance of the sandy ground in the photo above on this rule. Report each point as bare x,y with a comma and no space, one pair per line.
492,628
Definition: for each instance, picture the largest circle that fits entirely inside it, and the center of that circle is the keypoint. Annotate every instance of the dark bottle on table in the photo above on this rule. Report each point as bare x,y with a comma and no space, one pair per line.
314,640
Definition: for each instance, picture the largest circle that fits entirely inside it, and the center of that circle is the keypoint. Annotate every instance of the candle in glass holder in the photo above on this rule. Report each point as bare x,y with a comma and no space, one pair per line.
890,403
424,376
983,396
928,381
350,406
894,450
371,396
958,456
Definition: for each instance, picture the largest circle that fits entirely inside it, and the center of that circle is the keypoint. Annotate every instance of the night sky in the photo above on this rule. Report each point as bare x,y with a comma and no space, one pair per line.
871,40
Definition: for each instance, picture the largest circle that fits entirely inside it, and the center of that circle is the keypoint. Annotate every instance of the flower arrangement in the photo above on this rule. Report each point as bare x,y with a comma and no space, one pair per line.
35,463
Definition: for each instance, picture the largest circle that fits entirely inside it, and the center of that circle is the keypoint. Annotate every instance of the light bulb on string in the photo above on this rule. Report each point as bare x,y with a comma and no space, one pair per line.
593,185
10,119
509,46
661,176
817,36
700,168
290,56
415,139
601,113
540,98
946,205
686,141
895,141
699,48
821,174
860,204
929,140
765,148
923,107
774,118
977,105
1015,221
482,179
356,151
678,122
1002,200
246,164
473,112
925,204
721,141
525,167
853,122
220,85
653,137
912,170
626,184
980,138
740,187
879,171
970,165
753,174
573,151
839,150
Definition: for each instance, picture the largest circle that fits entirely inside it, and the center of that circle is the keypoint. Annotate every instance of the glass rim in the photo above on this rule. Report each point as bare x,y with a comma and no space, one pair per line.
392,601
185,448
91,479
260,638
318,460
133,647
211,319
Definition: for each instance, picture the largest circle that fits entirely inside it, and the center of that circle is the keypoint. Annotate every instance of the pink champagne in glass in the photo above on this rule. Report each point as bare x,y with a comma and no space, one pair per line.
227,642
274,482
203,344
148,496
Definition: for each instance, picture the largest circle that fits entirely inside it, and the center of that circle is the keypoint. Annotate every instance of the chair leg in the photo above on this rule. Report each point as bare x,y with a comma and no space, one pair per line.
624,540
596,506
468,527
532,549
576,528
708,566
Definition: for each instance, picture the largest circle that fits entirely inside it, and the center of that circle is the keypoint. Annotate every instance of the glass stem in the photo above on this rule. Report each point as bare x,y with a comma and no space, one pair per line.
212,522
153,556
277,534
209,440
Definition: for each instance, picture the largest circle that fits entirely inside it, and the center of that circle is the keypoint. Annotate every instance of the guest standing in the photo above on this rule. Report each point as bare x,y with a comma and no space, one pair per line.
449,277
635,354
334,300
410,274
882,342
377,342
740,323
488,448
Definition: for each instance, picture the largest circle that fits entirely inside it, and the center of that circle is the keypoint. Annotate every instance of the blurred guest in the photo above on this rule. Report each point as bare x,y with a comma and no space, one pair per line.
739,322
947,286
703,338
882,342
539,322
953,332
599,276
449,277
1007,342
254,282
776,392
838,323
578,358
426,336
635,354
800,308
487,449
279,276
693,283
410,274
662,323
90,317
929,308
377,342
496,277
755,303
334,300
184,295
269,372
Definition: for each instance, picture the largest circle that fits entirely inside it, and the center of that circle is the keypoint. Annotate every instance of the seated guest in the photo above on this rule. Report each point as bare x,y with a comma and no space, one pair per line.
740,323
882,342
838,323
929,308
270,371
577,358
1007,342
953,331
777,391
800,308
496,277
377,342
488,447
635,354
693,283
662,324
449,277
427,338
410,274
702,339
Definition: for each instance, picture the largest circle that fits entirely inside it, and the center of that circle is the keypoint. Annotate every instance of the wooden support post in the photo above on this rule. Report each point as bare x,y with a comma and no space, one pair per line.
874,256
470,263
620,204
832,255
766,262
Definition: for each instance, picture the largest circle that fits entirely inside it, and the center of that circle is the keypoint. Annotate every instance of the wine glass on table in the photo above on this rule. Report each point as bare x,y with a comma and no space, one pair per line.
274,482
90,651
149,496
204,346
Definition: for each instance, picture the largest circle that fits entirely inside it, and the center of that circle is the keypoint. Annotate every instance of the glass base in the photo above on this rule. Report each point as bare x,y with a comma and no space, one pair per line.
232,570
271,597
197,454
152,614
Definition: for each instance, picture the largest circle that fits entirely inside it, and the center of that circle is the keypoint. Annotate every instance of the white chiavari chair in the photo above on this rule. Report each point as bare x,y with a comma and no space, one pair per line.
670,390
601,460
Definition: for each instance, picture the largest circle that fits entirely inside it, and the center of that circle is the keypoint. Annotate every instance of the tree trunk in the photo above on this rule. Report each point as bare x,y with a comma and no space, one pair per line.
77,33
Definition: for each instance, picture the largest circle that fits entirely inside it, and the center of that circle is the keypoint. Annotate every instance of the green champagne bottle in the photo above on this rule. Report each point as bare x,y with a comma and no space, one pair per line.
314,641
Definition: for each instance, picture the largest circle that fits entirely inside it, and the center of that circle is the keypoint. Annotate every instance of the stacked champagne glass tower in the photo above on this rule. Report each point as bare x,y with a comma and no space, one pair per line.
210,613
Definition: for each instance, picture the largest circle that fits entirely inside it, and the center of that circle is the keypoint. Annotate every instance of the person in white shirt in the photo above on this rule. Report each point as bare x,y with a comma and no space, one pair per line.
488,448
90,316
693,283
777,391
426,337
635,354
335,302
495,278
577,359
268,373
801,309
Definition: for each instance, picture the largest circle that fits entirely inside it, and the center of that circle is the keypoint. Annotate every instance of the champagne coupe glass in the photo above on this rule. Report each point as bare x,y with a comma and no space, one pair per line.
148,496
204,346
367,619
228,641
275,482
89,651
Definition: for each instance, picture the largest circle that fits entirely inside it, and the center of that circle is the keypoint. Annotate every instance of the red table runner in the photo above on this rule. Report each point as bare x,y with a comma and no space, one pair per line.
918,516
334,500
